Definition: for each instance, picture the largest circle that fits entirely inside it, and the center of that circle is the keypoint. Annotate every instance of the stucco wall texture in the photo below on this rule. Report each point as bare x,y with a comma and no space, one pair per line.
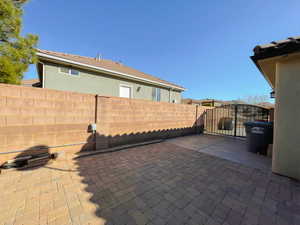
31,117
286,150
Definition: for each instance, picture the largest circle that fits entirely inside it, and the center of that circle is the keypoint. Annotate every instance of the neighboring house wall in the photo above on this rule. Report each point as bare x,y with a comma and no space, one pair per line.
102,84
286,152
176,95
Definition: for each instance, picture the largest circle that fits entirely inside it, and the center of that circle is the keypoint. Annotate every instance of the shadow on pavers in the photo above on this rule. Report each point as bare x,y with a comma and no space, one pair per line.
31,158
115,182
97,177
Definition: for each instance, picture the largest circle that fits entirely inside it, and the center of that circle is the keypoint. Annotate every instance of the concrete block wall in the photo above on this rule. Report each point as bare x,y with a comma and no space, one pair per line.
34,117
124,121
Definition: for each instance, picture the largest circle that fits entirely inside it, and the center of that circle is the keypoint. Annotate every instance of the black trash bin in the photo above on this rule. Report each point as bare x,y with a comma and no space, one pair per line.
259,135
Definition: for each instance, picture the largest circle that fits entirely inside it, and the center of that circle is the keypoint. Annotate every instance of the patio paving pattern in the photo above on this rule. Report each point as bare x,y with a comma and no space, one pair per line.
158,184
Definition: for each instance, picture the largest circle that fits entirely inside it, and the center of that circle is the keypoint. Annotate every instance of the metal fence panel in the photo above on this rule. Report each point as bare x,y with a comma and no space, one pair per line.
230,119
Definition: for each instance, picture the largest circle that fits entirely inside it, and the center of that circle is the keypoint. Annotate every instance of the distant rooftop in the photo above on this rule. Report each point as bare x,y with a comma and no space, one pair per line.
266,105
199,101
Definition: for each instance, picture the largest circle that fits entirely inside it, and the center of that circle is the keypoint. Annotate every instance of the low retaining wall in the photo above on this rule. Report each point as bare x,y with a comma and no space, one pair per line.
33,118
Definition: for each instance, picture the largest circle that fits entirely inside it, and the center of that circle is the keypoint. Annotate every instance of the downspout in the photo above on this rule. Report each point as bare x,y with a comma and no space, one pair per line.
41,76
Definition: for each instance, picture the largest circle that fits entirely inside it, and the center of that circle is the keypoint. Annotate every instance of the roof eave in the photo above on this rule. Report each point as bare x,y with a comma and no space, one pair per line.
255,60
112,72
274,49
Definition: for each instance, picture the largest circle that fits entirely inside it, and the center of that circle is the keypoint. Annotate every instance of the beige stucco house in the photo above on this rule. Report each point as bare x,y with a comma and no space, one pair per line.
70,72
279,63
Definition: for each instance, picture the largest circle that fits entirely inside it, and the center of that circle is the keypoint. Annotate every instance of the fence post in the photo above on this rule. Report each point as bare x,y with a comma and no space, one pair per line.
235,119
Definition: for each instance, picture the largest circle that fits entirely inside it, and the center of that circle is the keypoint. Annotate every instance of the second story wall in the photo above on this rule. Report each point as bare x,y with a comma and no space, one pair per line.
102,84
176,96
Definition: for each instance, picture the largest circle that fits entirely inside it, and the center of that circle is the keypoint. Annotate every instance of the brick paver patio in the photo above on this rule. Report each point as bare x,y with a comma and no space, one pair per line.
157,184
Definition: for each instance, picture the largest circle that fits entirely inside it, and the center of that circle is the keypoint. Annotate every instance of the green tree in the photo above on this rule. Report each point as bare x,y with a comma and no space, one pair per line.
16,52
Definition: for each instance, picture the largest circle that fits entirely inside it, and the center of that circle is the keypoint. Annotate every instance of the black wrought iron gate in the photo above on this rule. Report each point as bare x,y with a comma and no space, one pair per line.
230,119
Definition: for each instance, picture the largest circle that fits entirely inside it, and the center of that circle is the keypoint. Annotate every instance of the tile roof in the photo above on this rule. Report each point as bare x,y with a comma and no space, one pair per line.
109,65
276,48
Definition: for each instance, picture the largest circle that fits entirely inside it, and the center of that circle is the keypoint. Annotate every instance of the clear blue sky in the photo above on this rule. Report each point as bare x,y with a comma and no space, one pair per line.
201,45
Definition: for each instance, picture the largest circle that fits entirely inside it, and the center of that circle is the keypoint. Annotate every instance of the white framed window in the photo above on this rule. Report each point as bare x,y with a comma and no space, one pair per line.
125,91
69,71
156,94
74,72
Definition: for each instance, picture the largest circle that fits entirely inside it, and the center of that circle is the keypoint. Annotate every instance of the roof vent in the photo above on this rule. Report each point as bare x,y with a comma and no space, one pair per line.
98,57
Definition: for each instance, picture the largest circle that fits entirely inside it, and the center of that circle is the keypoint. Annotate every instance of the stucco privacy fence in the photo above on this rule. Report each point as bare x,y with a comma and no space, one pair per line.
32,117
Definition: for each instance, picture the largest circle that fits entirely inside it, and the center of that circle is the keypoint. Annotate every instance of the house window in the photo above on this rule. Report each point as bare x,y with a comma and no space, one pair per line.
125,91
74,72
64,70
156,94
69,71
